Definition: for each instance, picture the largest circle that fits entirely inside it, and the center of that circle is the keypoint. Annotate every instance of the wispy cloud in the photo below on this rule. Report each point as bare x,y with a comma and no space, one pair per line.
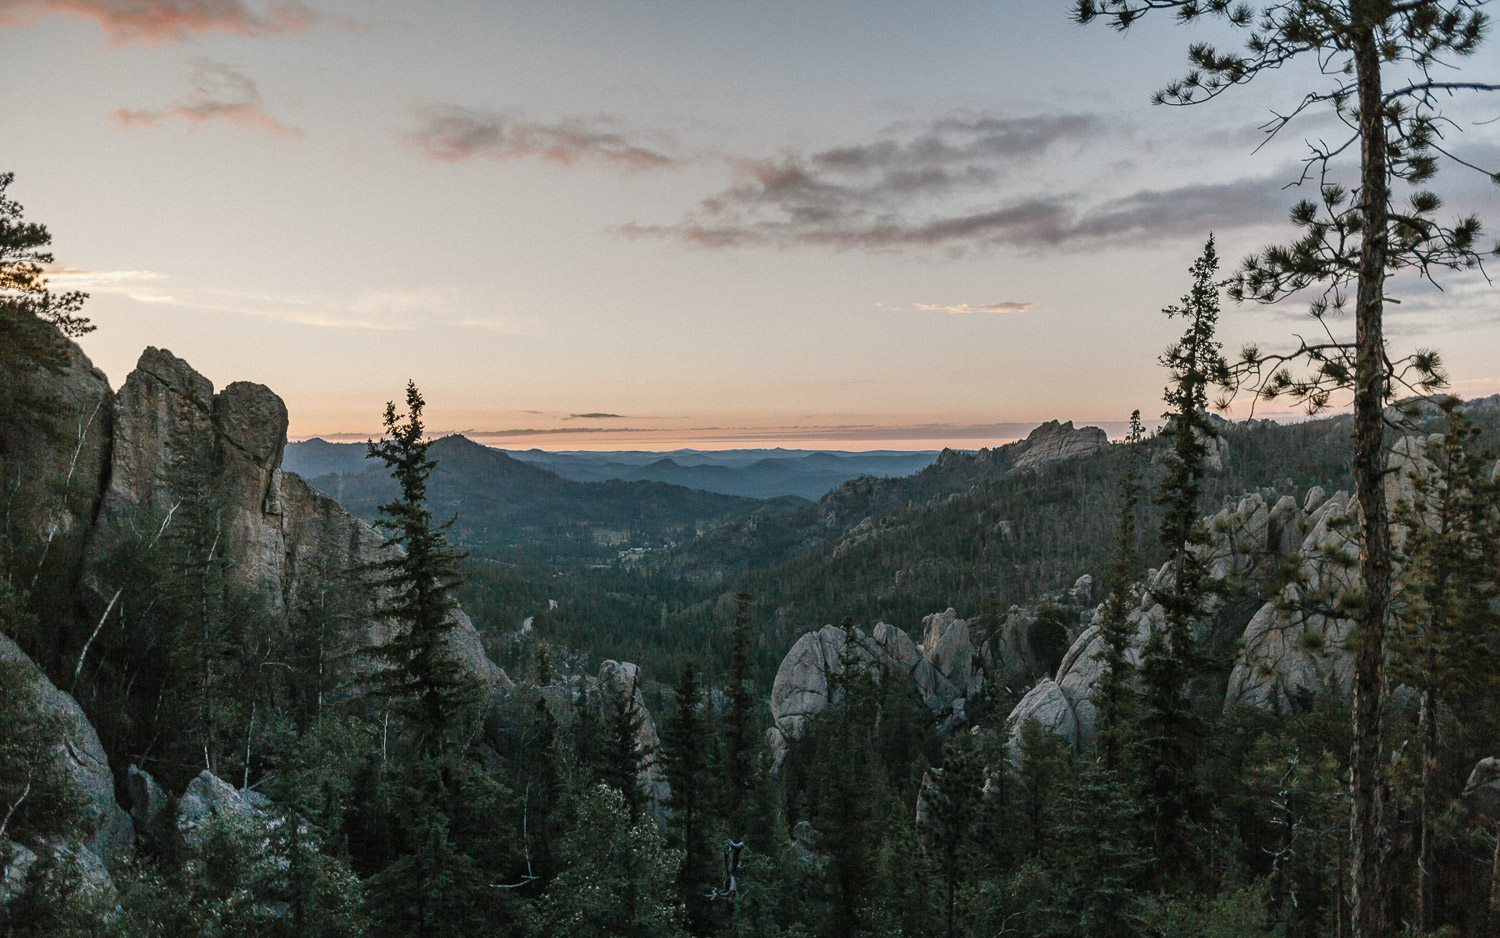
220,94
595,417
931,187
135,284
161,21
966,308
452,134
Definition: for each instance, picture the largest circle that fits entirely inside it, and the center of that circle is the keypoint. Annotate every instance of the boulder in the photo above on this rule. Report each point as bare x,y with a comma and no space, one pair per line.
1049,707
800,689
148,803
108,833
209,796
1482,792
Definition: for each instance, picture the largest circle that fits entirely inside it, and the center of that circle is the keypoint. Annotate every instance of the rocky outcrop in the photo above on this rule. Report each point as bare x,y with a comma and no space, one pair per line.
209,796
622,679
108,833
1290,651
946,646
279,531
51,471
148,804
1053,441
1048,707
1482,792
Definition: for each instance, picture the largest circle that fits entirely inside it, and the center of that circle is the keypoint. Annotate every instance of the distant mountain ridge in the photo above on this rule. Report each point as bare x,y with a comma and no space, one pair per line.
753,473
512,510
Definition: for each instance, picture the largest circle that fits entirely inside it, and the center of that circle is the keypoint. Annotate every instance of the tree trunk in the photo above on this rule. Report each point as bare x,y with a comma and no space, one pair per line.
1426,858
1495,889
1367,816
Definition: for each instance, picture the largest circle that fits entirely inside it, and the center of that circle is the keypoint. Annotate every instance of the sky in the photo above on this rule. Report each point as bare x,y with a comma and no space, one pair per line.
668,223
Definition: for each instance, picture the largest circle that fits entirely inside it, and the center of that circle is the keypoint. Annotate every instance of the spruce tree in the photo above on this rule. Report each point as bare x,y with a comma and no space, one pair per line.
741,744
1115,693
194,539
421,679
623,759
687,744
1170,661
953,812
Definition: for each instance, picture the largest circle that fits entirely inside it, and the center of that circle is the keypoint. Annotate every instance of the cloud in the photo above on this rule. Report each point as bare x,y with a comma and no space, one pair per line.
452,134
219,94
965,308
1045,221
932,187
129,283
160,21
595,417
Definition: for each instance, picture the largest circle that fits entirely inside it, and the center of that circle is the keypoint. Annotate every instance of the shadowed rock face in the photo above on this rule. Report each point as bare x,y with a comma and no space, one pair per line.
51,479
107,829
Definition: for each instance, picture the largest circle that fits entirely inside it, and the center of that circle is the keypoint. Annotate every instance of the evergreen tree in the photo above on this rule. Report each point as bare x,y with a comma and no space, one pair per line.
1170,661
1386,68
1115,695
741,742
422,678
953,811
193,540
687,743
1442,645
33,319
845,817
1096,857
617,876
623,757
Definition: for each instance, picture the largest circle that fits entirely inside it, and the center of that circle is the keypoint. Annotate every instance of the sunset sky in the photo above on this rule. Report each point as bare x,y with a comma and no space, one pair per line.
653,224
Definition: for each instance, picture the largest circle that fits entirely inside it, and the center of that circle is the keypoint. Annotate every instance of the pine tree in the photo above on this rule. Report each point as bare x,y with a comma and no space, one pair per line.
845,817
34,321
422,678
1096,857
194,540
1385,70
623,759
617,876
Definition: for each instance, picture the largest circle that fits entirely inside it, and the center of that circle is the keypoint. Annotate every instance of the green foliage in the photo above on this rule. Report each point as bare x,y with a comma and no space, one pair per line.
421,679
33,319
618,876
1170,662
1244,913
688,744
36,800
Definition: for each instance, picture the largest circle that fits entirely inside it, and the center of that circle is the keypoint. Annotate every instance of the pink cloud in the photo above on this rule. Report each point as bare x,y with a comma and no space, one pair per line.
455,134
155,22
220,94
